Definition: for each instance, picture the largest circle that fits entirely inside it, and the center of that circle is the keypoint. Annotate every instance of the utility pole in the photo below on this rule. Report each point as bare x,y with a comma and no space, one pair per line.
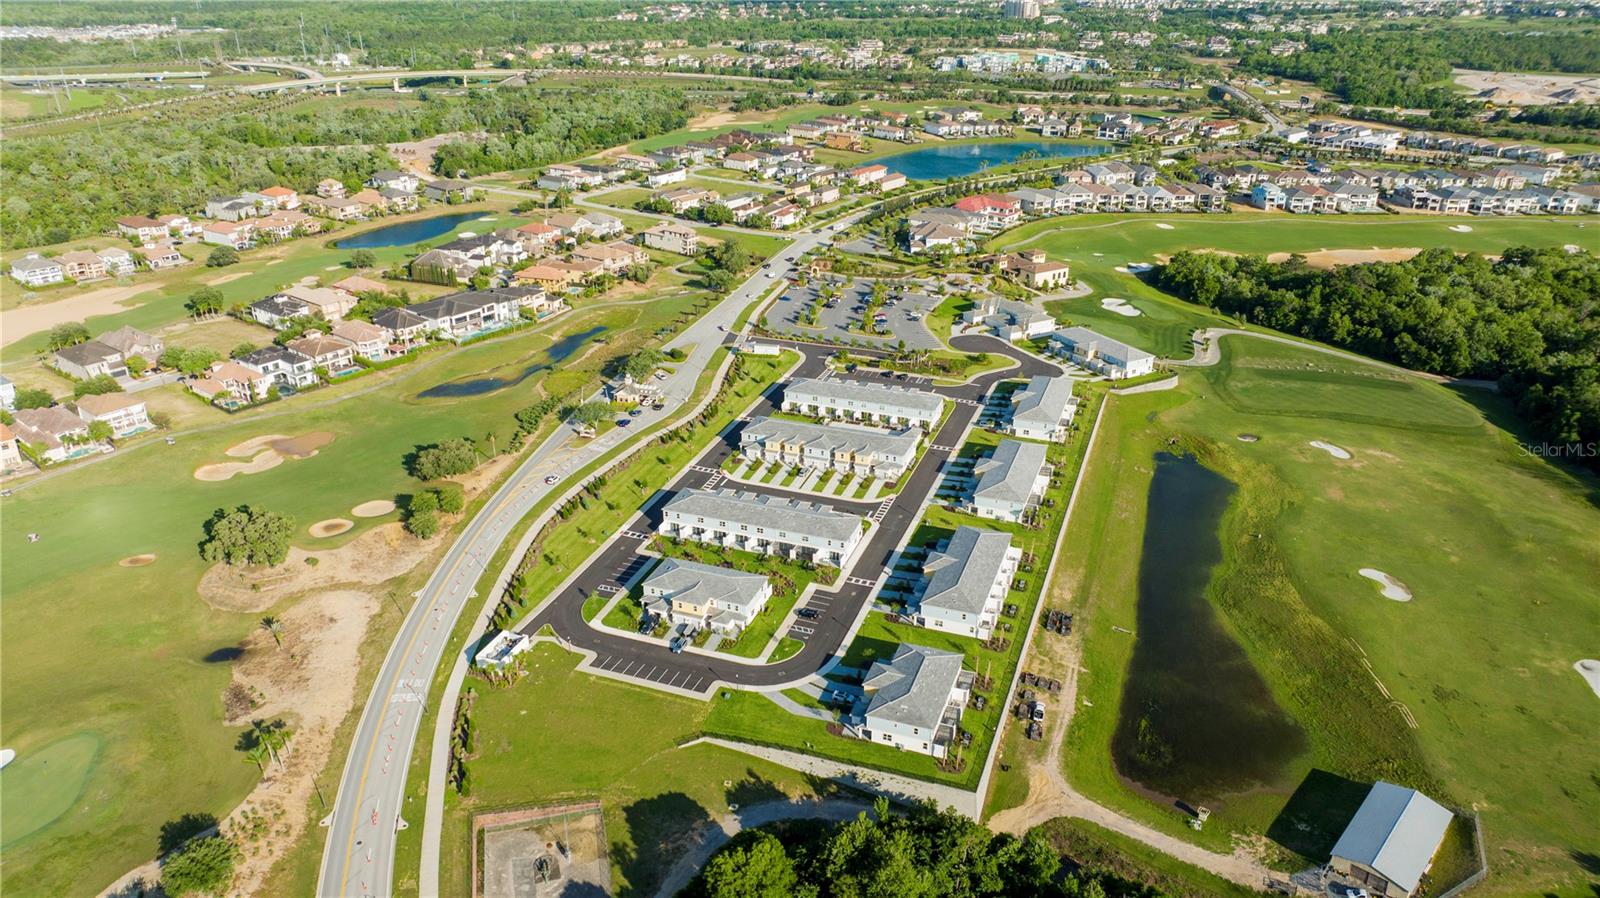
179,34
303,53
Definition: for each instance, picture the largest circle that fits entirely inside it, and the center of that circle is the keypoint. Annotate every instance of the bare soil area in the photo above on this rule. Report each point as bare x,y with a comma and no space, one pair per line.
1329,258
137,560
375,556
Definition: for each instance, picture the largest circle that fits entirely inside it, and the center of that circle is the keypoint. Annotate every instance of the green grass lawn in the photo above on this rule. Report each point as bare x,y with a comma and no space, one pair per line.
1496,545
117,654
1086,844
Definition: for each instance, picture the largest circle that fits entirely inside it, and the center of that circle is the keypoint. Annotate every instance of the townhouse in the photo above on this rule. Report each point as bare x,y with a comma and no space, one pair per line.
855,400
766,525
847,449
1011,479
1102,355
914,700
694,596
1043,409
965,580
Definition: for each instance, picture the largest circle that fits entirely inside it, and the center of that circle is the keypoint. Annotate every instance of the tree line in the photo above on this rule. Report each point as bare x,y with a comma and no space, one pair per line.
1525,320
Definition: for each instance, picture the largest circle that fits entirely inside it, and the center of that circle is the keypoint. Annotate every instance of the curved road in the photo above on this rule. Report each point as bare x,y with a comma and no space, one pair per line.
358,859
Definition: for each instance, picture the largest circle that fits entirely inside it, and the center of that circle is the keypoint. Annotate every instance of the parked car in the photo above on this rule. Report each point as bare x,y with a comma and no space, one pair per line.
807,613
551,479
1038,711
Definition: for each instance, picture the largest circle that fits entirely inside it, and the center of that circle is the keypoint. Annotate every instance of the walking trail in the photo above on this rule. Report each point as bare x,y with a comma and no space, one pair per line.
1051,796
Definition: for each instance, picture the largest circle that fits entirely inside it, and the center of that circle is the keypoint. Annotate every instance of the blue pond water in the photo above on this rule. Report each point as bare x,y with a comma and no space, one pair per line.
558,352
958,160
408,232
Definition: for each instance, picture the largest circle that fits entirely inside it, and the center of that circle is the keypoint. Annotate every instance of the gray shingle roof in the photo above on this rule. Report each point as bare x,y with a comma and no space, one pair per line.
1114,349
1009,473
698,583
1395,832
865,396
913,687
88,353
771,512
960,577
1043,402
832,438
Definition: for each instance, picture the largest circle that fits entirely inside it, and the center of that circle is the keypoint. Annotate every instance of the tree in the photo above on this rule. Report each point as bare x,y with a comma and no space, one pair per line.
33,397
257,754
100,432
591,413
99,385
203,866
191,362
136,365
642,364
247,536
450,458
423,526
275,627
363,258
452,499
68,333
222,257
721,280
243,349
761,870
206,301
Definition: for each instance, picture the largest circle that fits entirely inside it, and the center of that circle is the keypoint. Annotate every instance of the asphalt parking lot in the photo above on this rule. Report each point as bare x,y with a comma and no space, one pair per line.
836,323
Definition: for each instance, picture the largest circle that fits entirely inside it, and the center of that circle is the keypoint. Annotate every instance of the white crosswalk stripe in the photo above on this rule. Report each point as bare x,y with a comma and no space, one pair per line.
634,534
860,581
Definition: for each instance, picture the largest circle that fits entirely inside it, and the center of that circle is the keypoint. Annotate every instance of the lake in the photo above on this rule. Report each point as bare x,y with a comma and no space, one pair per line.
558,352
958,160
1197,721
408,232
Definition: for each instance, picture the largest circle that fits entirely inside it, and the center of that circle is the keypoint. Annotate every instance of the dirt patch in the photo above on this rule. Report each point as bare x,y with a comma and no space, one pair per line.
264,461
1329,258
307,681
1589,669
137,560
331,527
225,278
1392,588
476,480
1331,449
377,508
379,554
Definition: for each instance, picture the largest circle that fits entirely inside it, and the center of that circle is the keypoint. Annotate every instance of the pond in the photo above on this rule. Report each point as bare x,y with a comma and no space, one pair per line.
558,352
958,160
408,232
1197,721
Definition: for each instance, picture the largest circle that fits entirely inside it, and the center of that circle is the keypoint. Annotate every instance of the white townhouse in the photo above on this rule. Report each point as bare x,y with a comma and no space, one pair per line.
846,448
1102,355
914,700
1043,409
965,582
767,525
697,596
1010,480
860,401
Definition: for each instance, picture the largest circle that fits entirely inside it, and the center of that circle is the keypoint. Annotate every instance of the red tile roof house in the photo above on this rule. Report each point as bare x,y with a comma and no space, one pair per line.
124,412
54,433
281,197
234,380
237,234
325,351
998,211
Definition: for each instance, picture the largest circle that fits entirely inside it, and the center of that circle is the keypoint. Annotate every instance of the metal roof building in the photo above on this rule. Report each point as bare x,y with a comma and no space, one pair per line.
1390,842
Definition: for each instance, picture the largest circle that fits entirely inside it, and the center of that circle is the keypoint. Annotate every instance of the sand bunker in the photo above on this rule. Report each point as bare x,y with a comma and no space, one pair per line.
1098,255
1119,306
1328,258
1164,226
1589,669
265,453
1331,449
137,560
1572,248
1392,588
331,527
1461,229
265,461
377,508
379,554
1248,438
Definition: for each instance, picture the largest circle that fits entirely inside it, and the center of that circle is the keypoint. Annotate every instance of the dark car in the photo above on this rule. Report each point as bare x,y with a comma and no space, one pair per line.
623,422
807,613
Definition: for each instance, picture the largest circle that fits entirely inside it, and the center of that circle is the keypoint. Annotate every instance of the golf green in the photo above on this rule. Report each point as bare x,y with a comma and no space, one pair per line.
42,785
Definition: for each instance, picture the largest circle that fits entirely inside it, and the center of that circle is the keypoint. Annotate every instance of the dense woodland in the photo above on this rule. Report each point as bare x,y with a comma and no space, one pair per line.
1527,320
921,854
1411,68
62,187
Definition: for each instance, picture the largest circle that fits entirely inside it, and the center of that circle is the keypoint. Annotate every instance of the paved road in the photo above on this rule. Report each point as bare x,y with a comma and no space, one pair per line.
359,857
837,607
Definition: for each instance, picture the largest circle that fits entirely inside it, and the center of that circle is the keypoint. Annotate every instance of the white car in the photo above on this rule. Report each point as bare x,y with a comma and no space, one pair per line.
551,479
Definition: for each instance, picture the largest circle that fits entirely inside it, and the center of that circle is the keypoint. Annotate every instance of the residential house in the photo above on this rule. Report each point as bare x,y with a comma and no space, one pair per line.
8,393
231,208
847,449
237,234
10,453
89,359
117,261
162,255
892,181
658,179
867,175
1102,355
614,258
1032,268
783,214
1010,480
465,314
283,365
862,401
965,582
338,208
538,238
914,700
330,188
994,212
355,285
278,310
586,223
406,328
37,271
764,524
82,265
143,228
447,189
548,276
277,197
54,433
694,596
124,412
130,341
931,236
1043,409
672,237
232,380
287,223
388,177
1009,319
682,199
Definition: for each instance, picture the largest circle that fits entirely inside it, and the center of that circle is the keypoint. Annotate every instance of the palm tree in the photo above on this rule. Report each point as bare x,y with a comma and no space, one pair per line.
275,627
258,754
270,736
